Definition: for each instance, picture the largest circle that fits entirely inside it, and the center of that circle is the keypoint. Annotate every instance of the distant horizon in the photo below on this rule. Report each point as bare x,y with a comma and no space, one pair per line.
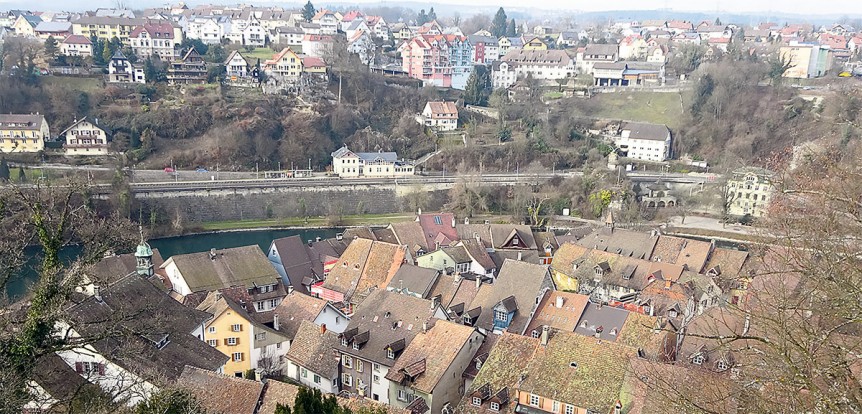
736,7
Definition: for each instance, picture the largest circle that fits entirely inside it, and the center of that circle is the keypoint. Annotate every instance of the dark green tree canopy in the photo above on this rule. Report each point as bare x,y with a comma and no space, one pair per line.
499,24
308,11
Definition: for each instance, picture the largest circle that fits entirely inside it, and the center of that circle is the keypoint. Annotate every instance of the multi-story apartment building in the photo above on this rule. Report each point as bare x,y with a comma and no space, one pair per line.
749,191
329,22
806,60
23,133
208,29
378,333
188,70
120,70
106,28
439,60
540,64
155,38
85,138
286,65
648,142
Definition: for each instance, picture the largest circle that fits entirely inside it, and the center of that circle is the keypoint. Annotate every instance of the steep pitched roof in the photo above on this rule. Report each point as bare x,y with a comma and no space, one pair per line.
295,309
312,348
77,40
478,252
155,30
624,242
563,318
22,121
220,394
686,252
112,268
414,279
430,354
522,281
442,108
410,234
244,266
277,392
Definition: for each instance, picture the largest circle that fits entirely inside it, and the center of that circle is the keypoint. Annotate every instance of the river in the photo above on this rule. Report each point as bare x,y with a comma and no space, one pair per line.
170,246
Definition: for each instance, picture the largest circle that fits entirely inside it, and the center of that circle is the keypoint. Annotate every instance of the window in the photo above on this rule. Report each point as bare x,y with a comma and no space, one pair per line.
303,372
375,367
376,378
316,379
278,345
273,303
259,306
347,380
390,353
347,361
261,336
495,406
556,406
500,315
356,346
698,359
477,401
570,409
237,356
212,342
343,341
236,328
231,341
212,329
723,365
359,365
534,400
535,333
402,395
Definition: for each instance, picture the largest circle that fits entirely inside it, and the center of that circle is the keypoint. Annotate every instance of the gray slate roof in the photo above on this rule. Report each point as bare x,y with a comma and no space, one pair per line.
607,319
642,130
414,279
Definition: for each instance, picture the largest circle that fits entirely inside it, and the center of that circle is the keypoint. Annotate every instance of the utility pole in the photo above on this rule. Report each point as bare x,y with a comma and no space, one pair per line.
339,92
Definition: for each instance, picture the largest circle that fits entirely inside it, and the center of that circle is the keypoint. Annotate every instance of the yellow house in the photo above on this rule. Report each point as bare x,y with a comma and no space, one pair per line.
535,44
23,133
286,64
85,138
108,27
234,332
25,25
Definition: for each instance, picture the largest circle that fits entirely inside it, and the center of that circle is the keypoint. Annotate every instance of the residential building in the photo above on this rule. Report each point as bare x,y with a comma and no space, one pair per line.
250,344
317,45
642,141
503,74
243,273
76,45
190,69
144,353
430,368
806,60
540,64
155,38
85,138
400,31
534,43
749,191
310,361
632,47
285,66
328,21
657,54
25,25
347,163
23,133
596,53
298,307
57,30
441,116
108,27
217,393
366,265
287,35
314,67
508,304
448,259
361,44
378,334
558,310
628,73
253,33
208,29
302,265
378,26
555,373
237,67
485,49
414,280
120,70
439,60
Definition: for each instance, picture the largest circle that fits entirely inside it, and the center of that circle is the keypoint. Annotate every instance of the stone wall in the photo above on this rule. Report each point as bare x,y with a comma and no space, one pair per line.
251,204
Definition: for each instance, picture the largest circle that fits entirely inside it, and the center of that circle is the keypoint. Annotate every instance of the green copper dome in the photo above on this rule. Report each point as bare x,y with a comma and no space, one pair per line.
144,250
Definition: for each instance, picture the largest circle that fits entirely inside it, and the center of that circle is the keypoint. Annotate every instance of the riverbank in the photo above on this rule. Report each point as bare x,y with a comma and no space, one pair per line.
370,220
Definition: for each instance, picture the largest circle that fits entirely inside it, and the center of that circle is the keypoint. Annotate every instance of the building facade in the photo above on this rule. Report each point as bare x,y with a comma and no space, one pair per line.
347,163
23,133
750,190
85,138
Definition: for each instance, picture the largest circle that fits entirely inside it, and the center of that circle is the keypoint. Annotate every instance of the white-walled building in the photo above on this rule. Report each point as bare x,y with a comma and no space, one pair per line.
442,116
85,138
642,141
310,361
540,64
210,30
347,163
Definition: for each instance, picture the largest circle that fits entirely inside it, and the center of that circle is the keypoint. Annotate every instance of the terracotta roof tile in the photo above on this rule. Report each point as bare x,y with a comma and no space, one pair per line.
313,349
563,318
435,351
277,392
525,281
220,394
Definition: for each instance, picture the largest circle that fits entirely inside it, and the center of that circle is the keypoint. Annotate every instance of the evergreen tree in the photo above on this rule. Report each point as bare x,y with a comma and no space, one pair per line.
107,53
4,170
717,21
308,11
51,47
498,25
282,408
421,18
478,87
432,15
21,176
512,29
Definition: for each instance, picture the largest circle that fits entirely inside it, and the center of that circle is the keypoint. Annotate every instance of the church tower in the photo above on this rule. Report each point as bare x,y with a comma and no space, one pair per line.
144,255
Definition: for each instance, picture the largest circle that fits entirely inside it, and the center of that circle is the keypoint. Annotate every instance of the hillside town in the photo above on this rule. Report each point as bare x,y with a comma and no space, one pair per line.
373,210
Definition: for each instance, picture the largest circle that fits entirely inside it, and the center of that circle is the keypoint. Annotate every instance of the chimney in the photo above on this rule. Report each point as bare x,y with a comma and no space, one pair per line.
478,281
424,326
289,289
520,256
322,328
339,236
466,220
419,211
433,302
309,242
667,284
218,294
560,301
97,293
545,331
317,239
275,324
213,253
747,325
453,222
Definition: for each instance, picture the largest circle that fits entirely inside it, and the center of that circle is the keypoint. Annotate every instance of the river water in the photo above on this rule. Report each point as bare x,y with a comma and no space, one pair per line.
170,246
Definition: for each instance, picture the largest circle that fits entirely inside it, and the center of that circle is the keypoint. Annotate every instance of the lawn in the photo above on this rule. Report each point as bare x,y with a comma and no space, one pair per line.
77,84
654,107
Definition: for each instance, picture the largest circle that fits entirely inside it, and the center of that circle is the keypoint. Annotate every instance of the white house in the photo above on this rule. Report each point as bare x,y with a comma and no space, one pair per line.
76,45
120,70
209,30
237,65
328,22
648,142
541,64
442,116
253,34
503,74
309,360
154,39
347,163
85,138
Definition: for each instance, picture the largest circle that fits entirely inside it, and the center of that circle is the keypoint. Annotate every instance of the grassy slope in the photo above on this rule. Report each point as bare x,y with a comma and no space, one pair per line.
654,107
78,84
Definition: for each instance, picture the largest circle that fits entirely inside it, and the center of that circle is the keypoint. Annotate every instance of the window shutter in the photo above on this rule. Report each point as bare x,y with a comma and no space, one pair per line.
101,369
79,367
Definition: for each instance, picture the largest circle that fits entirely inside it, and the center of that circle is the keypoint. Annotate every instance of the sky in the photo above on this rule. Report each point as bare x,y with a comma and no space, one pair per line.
835,7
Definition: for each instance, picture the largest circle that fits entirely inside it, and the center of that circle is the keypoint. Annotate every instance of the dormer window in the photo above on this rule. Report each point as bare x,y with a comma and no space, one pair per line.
500,315
390,353
698,359
723,365
495,406
535,333
356,346
343,341
477,401
599,271
672,313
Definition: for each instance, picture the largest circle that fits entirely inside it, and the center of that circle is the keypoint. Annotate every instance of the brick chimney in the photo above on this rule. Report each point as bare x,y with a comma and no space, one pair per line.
322,328
275,322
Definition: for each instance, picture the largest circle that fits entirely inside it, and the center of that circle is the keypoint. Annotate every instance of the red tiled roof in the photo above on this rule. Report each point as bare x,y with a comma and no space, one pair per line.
155,30
76,40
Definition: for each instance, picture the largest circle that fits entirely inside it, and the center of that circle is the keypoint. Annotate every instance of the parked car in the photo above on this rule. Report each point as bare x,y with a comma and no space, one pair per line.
169,170
201,170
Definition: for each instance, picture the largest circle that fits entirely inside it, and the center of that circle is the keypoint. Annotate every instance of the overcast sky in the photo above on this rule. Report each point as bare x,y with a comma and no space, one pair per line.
839,7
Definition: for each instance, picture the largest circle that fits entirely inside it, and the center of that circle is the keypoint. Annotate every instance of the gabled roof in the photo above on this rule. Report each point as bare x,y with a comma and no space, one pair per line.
53,27
524,282
277,392
642,130
155,30
364,265
603,322
430,355
234,54
391,320
22,121
442,108
132,308
297,308
563,318
244,266
77,40
478,252
112,268
78,122
220,394
624,242
414,279
601,49
435,224
410,234
312,348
